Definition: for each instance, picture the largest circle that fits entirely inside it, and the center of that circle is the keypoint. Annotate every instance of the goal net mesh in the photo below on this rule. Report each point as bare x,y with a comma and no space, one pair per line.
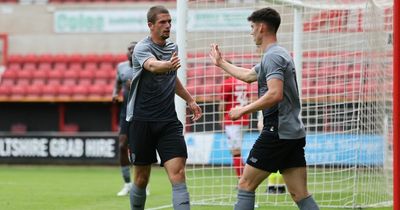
343,53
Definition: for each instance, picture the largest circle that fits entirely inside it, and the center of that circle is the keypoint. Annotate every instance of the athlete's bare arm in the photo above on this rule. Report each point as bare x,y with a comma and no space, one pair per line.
157,66
185,95
244,74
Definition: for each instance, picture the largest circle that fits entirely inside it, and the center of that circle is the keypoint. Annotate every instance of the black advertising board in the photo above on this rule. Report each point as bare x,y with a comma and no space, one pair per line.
56,148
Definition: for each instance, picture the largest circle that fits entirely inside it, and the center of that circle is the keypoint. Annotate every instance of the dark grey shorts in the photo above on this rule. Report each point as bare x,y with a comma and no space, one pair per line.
270,153
145,138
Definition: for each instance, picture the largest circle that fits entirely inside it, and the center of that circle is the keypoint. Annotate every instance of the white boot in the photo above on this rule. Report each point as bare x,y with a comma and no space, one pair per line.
125,189
148,189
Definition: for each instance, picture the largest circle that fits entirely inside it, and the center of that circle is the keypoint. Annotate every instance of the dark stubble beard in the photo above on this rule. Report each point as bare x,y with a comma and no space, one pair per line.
164,37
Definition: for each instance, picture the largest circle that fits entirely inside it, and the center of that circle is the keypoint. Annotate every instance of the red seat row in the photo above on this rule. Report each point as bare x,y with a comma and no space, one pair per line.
61,66
68,77
50,92
65,58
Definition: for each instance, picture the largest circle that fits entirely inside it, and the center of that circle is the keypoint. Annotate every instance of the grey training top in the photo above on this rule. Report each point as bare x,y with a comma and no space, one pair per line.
124,73
152,96
278,64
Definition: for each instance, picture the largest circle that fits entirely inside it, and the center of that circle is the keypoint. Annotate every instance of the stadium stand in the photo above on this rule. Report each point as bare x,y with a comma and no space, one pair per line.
59,77
87,73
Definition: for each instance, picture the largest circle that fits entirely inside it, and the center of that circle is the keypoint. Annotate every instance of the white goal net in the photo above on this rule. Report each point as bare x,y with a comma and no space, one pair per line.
343,55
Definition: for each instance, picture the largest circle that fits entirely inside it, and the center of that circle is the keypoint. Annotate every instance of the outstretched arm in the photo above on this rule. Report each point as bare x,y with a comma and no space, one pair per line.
185,95
157,66
246,75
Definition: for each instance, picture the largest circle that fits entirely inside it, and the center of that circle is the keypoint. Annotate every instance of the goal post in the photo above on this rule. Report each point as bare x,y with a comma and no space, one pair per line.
343,50
396,105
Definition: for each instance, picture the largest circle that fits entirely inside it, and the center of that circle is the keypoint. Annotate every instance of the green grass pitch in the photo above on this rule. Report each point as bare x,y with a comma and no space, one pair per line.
82,188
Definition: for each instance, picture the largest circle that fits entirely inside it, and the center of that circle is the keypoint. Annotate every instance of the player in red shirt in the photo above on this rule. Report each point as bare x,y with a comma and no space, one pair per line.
234,93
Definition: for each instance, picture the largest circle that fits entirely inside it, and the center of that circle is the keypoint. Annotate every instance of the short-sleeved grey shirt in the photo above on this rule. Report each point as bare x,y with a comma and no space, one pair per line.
124,73
278,64
152,95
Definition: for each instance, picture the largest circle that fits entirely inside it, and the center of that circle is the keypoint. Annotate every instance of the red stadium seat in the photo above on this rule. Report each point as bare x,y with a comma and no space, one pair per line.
75,58
192,84
200,90
60,66
31,58
18,92
112,74
101,77
45,66
60,58
24,77
55,77
14,67
92,58
338,89
309,70
45,58
322,87
194,81
108,89
16,58
107,58
191,73
9,77
34,91
5,91
96,91
80,92
70,77
120,58
197,73
353,87
39,77
76,66
50,91
64,92
86,77
29,66
106,65
91,66
308,87
107,68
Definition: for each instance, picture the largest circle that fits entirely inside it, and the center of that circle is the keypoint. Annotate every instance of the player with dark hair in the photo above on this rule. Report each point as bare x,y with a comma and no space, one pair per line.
123,82
280,146
153,123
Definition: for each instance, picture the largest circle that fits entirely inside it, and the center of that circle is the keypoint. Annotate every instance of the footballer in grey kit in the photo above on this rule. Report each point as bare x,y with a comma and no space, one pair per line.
122,83
280,145
277,63
153,122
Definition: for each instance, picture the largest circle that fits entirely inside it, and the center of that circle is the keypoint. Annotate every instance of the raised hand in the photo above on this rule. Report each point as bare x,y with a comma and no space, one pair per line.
215,54
175,62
